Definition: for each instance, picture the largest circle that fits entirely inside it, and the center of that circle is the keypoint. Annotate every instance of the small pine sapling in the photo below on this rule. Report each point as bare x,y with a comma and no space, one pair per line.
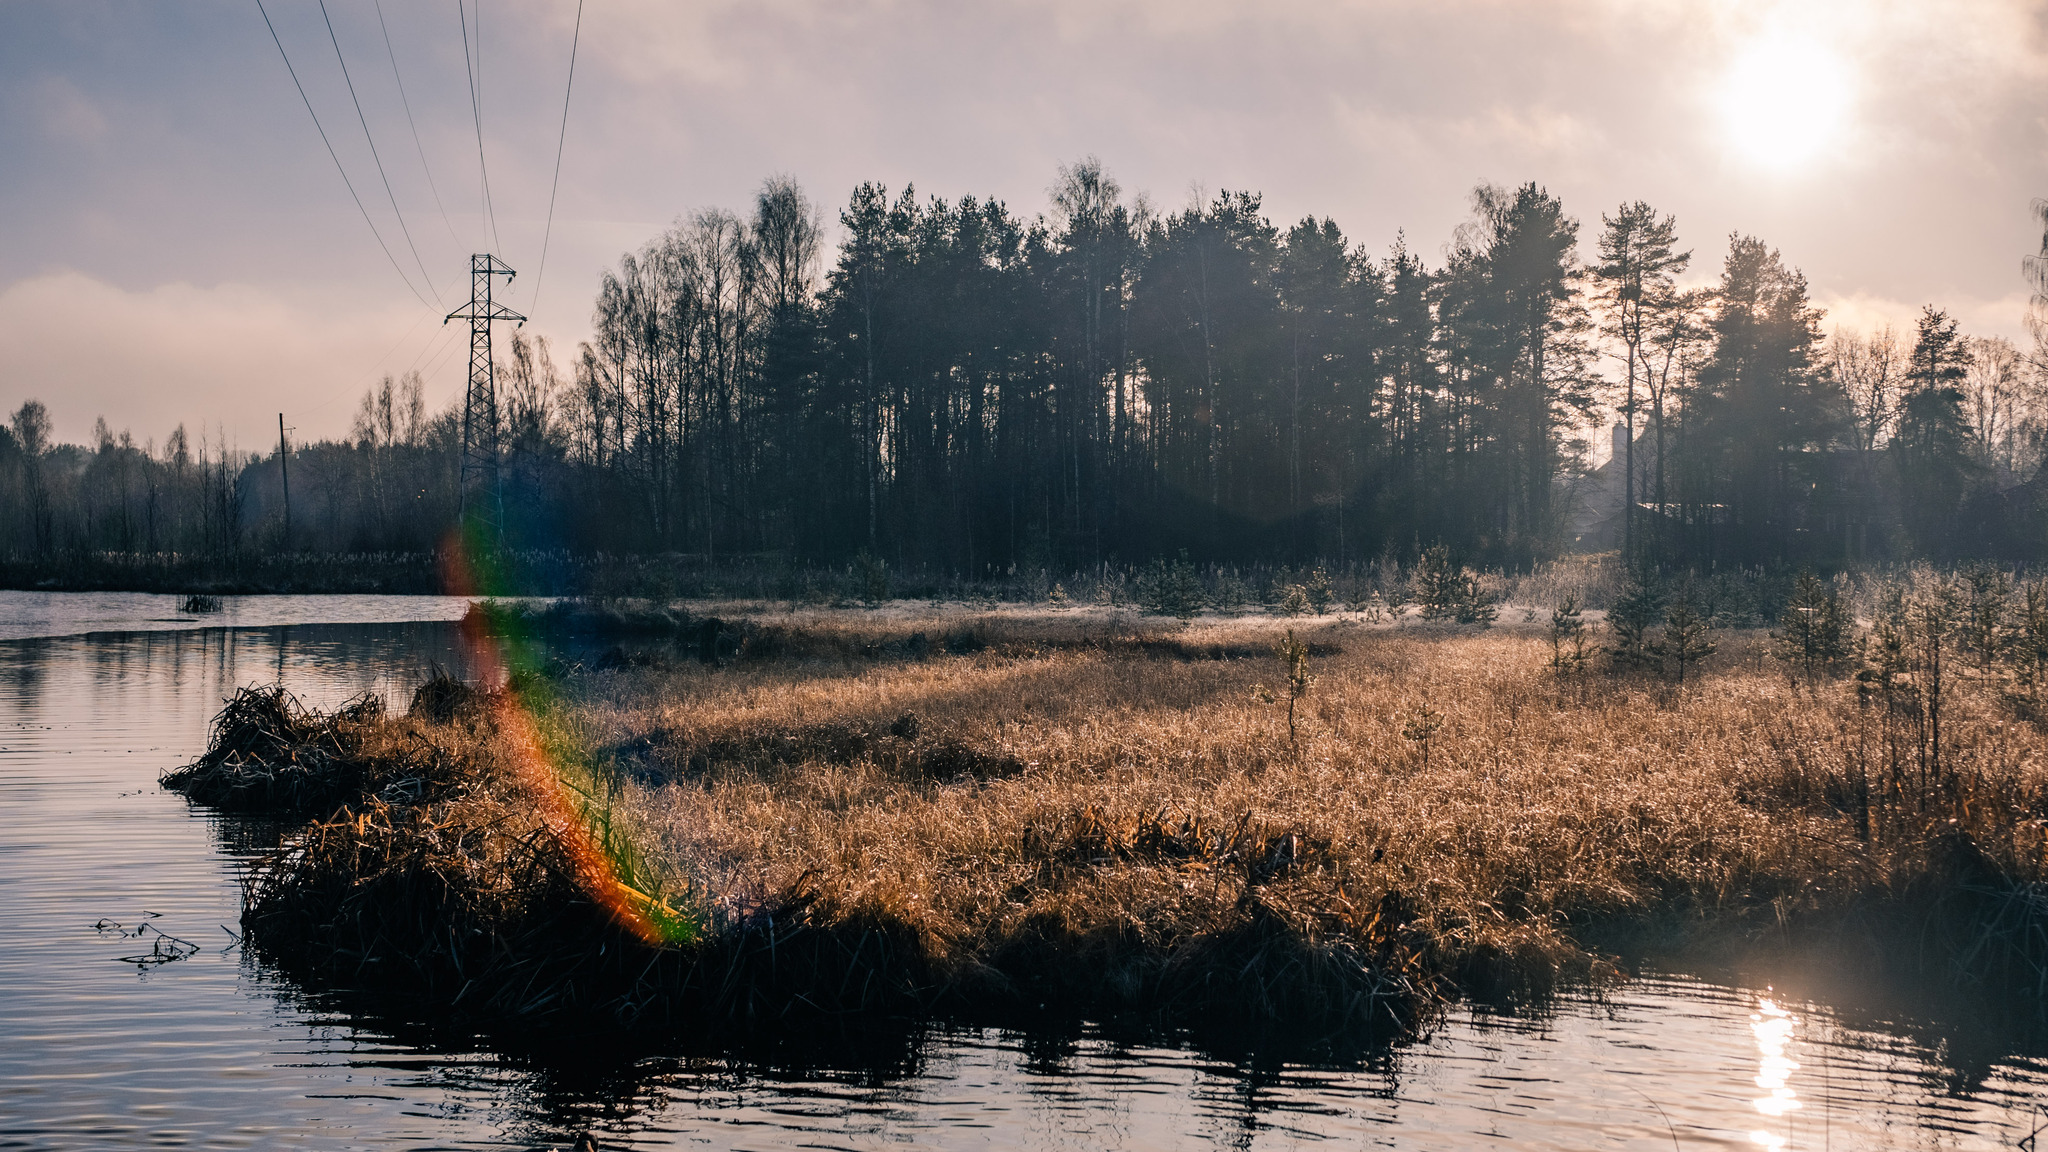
1886,658
1320,594
2026,647
1293,652
1422,724
1448,591
873,573
1812,636
1988,600
1295,603
1639,608
1474,607
1439,584
1686,640
1173,589
1568,636
1390,587
1936,614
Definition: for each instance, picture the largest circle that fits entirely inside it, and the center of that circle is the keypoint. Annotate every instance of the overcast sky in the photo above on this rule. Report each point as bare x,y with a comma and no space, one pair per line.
177,246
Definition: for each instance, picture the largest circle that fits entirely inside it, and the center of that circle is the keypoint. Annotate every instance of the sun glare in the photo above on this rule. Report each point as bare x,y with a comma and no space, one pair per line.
1784,101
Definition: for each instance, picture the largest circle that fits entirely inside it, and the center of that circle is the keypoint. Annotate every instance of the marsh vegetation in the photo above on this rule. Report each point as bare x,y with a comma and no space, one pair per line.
1301,822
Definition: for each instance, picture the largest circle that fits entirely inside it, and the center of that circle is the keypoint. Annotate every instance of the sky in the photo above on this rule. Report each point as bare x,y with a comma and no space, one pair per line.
177,246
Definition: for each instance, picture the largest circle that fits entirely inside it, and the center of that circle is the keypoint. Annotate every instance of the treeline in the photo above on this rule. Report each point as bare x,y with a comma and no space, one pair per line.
961,388
200,497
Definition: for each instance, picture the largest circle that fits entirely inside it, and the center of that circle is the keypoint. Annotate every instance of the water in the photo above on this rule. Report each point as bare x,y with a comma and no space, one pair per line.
213,1051
26,615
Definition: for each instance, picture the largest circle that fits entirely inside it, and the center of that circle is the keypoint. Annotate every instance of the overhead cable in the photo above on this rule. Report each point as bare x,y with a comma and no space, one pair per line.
364,121
337,159
476,108
560,139
417,146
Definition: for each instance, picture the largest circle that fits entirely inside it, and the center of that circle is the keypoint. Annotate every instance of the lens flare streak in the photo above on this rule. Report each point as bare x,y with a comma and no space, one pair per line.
595,859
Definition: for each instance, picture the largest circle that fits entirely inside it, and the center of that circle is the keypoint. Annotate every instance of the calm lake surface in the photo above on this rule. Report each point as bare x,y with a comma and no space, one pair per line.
97,864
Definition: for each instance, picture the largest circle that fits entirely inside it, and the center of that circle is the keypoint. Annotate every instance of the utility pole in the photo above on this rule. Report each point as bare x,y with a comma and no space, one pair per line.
482,498
284,472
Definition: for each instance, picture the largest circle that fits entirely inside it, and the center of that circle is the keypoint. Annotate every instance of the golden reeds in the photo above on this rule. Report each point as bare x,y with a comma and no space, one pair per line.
270,753
1093,814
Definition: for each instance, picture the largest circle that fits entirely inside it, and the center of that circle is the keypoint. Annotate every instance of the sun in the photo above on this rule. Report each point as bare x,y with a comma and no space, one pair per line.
1785,101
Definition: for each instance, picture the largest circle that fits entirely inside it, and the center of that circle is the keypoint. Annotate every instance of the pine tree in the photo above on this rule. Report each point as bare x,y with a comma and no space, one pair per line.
2026,645
1813,629
1931,447
1568,635
1988,593
1761,408
1439,584
1293,652
1686,640
1446,590
1639,608
1638,261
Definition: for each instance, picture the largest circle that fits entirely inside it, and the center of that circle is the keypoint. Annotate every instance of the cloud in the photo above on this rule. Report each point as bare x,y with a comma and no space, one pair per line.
1978,316
66,114
152,153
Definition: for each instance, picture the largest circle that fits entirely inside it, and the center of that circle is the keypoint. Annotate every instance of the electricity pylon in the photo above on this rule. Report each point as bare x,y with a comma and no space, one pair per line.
483,502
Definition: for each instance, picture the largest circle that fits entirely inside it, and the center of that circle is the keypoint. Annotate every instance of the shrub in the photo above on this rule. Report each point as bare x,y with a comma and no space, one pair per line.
1293,652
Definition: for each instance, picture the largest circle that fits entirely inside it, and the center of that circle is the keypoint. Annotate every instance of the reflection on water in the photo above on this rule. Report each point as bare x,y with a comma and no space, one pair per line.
1773,1028
209,1050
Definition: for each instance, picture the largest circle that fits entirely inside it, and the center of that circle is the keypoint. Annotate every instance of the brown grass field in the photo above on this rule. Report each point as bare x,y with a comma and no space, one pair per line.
1083,811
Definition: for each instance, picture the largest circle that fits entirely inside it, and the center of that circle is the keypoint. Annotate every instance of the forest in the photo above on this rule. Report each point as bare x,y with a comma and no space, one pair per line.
964,389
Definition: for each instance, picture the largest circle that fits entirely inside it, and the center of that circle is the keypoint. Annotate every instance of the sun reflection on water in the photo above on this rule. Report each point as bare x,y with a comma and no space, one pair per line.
1772,1027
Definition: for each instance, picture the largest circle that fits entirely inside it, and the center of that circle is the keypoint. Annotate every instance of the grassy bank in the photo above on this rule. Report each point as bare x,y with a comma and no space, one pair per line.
1090,812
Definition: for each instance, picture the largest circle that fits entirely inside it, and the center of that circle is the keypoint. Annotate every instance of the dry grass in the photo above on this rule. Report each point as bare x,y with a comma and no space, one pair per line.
1077,812
270,753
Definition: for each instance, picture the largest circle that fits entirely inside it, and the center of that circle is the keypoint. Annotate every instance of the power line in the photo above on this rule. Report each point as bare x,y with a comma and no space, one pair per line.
364,121
440,357
417,146
337,159
561,139
431,355
476,109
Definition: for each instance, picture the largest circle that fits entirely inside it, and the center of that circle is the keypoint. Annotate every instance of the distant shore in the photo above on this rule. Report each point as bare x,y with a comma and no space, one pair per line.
1177,589
387,573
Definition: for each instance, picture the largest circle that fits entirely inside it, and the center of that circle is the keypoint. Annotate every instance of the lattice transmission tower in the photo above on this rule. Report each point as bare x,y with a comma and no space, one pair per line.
482,496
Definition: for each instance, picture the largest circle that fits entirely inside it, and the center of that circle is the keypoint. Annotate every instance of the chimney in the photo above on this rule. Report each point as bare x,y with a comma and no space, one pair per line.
1620,442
